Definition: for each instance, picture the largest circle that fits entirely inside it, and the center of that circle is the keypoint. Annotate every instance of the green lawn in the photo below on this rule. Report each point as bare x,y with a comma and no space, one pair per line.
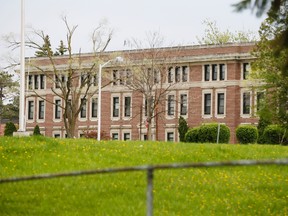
259,190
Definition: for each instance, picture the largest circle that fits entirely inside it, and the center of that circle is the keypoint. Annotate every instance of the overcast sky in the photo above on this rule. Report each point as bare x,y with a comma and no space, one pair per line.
178,21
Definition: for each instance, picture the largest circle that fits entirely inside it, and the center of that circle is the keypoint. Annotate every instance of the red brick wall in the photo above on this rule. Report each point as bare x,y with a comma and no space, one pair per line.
193,87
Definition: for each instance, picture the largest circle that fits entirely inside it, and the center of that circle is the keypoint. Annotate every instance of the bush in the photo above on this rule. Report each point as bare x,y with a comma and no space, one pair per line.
275,134
208,134
9,129
182,128
192,135
246,134
262,124
36,131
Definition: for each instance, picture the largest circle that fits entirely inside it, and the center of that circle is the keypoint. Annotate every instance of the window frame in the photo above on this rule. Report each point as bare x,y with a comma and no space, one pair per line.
57,110
203,108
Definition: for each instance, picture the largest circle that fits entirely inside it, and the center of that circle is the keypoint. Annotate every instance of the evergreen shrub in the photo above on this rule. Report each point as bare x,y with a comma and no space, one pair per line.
182,128
246,134
9,129
36,130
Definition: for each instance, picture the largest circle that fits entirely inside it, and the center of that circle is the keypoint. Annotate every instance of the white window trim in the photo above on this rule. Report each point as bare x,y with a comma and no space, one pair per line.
90,109
242,69
111,108
179,104
34,111
188,72
38,109
83,119
54,106
211,74
170,130
57,132
245,90
175,106
207,91
126,132
216,103
123,106
113,132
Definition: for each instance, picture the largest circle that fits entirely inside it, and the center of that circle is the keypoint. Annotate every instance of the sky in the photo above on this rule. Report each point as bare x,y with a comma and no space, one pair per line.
179,22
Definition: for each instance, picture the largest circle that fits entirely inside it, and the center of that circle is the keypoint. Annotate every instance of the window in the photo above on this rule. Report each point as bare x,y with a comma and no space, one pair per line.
30,82
170,136
30,110
60,81
246,103
57,109
170,74
127,106
156,76
94,107
184,73
207,104
214,72
95,79
128,76
171,105
57,135
222,71
42,81
126,136
246,68
115,107
83,79
41,110
83,111
183,104
115,77
177,74
206,72
115,136
122,77
220,103
36,82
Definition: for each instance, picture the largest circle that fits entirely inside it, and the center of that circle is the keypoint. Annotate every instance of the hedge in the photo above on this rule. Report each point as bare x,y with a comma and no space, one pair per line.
274,134
207,133
246,134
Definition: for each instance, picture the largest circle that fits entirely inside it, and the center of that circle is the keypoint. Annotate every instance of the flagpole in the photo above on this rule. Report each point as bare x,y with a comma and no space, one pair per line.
22,71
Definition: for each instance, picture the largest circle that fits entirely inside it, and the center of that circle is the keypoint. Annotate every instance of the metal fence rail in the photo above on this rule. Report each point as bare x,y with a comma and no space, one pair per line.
150,172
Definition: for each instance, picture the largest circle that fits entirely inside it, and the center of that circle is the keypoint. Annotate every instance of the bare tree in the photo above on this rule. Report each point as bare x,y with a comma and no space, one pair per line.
75,83
148,75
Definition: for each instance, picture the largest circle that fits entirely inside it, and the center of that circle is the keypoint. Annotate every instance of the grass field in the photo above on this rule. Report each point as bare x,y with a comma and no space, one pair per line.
259,190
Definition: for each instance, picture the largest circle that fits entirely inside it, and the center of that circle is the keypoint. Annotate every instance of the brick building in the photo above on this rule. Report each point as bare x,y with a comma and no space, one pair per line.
207,84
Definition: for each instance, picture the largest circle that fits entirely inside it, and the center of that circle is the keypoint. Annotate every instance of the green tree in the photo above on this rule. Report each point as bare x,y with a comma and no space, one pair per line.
62,49
182,128
213,35
8,93
45,50
271,52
